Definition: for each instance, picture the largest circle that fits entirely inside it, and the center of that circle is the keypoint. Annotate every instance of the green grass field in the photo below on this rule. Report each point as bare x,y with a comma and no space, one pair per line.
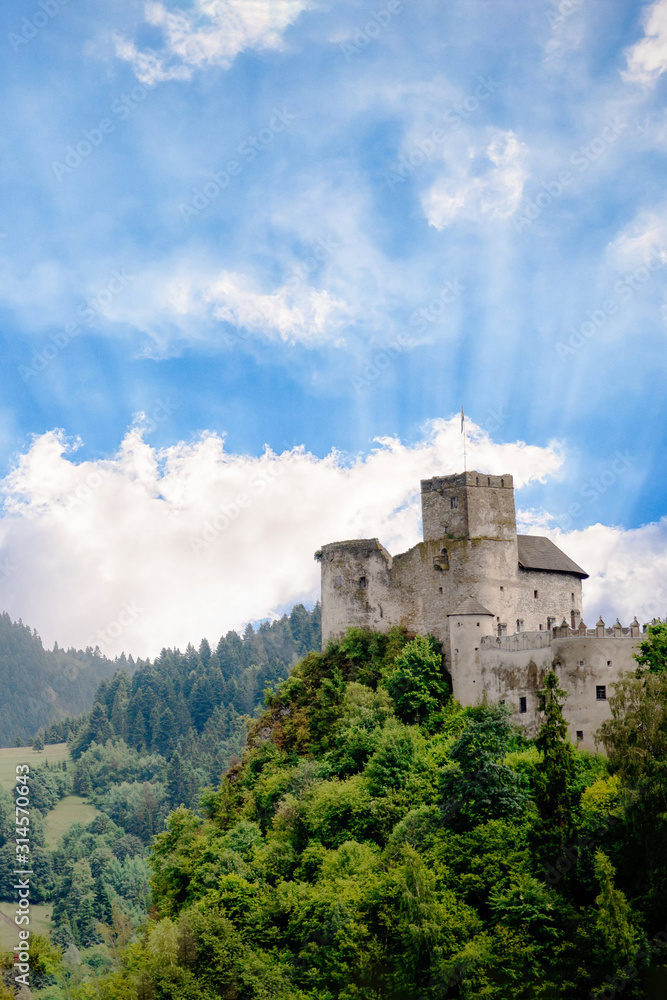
11,756
40,923
71,809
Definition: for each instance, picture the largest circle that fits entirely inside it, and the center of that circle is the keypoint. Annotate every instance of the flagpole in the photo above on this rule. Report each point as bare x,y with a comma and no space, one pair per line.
463,431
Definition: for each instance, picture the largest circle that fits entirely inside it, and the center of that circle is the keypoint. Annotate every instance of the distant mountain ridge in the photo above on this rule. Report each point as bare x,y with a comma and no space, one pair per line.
39,686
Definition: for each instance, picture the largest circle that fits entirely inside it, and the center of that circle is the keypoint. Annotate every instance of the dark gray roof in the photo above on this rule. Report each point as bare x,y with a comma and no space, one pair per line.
471,606
538,552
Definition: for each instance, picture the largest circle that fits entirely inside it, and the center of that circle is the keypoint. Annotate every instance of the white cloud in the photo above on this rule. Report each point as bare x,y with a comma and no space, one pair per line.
647,59
487,182
155,548
214,33
646,236
175,304
628,568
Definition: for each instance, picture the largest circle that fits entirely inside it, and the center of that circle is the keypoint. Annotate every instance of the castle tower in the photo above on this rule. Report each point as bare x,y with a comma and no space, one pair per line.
470,550
468,623
468,505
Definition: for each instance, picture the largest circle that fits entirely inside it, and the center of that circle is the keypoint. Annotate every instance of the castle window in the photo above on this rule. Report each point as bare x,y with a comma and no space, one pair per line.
536,594
488,481
439,590
477,624
502,630
519,625
581,663
453,502
541,629
478,480
362,582
550,622
523,705
502,482
445,555
601,692
608,663
580,736
338,581
502,590
572,598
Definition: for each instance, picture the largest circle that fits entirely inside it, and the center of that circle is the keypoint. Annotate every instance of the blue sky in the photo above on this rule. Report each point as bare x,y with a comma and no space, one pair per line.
417,205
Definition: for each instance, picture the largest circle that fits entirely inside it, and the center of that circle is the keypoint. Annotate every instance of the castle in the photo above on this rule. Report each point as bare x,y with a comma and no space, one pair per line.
506,607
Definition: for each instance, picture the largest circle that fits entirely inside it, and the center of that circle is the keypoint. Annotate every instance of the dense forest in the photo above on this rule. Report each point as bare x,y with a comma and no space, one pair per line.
151,743
376,840
38,686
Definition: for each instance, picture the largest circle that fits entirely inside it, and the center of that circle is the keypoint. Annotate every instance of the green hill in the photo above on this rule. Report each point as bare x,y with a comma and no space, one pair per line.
378,841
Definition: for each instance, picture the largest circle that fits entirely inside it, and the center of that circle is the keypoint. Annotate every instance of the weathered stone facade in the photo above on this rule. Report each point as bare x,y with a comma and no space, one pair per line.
506,607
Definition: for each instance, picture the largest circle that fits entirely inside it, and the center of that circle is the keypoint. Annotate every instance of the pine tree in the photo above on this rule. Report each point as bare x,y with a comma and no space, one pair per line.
555,773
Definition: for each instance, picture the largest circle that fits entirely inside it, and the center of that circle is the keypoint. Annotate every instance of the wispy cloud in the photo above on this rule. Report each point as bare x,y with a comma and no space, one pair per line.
214,33
647,59
486,182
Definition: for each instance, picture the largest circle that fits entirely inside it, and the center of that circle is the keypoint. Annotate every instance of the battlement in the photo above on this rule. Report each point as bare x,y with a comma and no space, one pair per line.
469,505
439,483
354,548
540,640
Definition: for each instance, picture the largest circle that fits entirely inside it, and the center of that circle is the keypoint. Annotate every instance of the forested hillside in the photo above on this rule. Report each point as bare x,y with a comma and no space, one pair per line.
151,743
379,841
38,686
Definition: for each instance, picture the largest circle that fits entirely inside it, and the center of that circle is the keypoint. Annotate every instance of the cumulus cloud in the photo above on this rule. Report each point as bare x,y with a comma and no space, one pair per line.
628,568
214,33
153,548
647,59
488,182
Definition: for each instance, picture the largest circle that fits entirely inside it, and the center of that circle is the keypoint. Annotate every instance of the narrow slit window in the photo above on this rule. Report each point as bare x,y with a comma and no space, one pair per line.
601,692
536,594
453,502
523,705
362,582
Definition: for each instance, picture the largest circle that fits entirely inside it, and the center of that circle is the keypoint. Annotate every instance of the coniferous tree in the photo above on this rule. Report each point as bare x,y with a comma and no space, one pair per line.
555,773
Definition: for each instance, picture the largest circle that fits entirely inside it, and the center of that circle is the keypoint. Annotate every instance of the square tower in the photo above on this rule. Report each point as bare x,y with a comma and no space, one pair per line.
468,505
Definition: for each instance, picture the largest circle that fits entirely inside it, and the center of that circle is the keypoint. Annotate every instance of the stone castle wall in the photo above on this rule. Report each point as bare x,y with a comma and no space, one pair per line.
470,550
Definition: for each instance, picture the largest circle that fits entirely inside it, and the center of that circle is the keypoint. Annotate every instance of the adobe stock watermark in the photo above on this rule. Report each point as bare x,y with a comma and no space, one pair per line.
378,364
228,512
423,150
437,307
562,11
127,616
595,487
247,151
31,26
645,955
624,290
79,150
371,30
582,158
87,312
263,312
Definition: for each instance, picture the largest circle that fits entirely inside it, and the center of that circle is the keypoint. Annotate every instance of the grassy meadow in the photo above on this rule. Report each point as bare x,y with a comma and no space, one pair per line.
10,757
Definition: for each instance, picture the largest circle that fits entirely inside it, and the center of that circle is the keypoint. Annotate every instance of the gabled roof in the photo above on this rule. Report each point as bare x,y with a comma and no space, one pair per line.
538,552
471,606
